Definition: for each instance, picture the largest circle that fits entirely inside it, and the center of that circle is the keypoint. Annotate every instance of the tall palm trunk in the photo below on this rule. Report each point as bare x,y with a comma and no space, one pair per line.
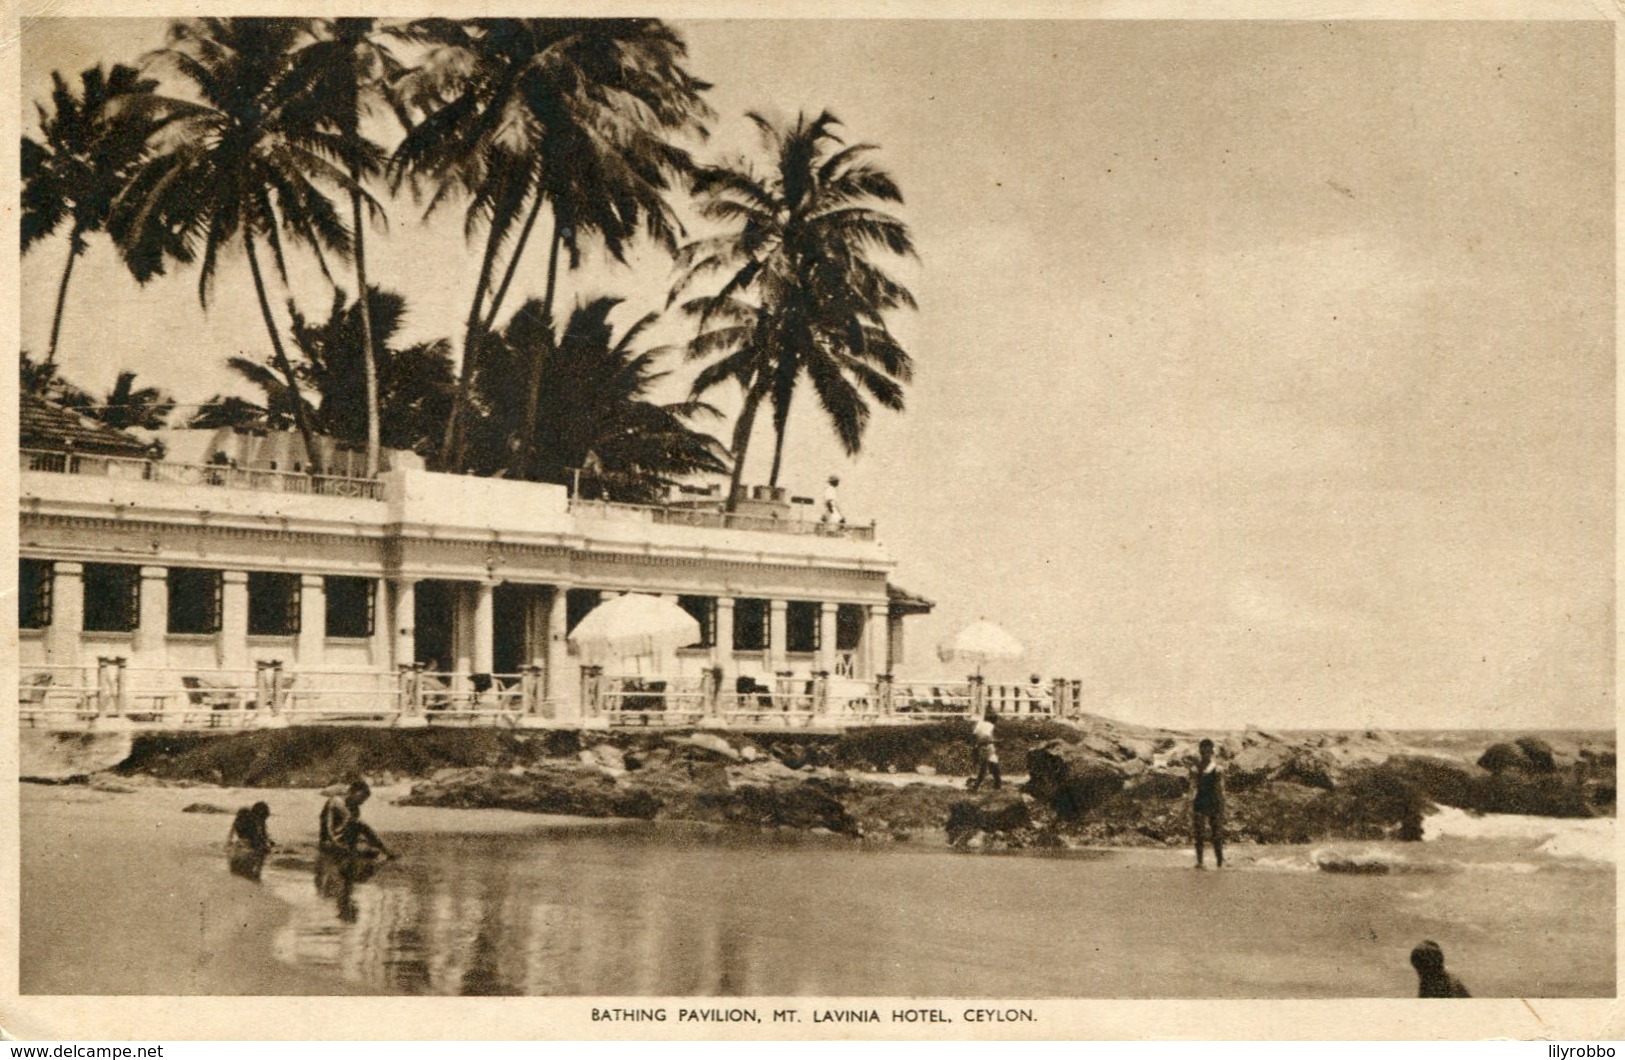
281,357
370,358
741,443
533,391
779,426
513,264
76,246
451,446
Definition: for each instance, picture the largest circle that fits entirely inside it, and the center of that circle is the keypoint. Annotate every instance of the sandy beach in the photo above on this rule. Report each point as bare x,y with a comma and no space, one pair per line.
125,893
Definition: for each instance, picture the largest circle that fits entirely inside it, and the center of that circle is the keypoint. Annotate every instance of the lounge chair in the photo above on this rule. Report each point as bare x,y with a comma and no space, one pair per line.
32,694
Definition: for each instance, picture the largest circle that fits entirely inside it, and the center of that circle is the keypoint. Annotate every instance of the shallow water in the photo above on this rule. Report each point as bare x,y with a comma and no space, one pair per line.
672,910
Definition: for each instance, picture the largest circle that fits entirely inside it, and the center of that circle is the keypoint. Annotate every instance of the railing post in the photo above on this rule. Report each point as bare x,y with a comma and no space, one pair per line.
265,684
1057,698
978,696
883,693
409,696
592,687
784,689
713,691
530,689
820,694
1075,704
110,686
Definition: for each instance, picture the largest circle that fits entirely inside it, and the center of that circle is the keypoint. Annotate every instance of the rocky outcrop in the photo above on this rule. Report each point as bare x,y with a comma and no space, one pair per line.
1072,779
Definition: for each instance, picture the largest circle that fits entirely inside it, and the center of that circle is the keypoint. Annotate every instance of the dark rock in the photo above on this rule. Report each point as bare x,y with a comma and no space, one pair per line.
204,807
1069,779
1500,757
1160,784
1538,754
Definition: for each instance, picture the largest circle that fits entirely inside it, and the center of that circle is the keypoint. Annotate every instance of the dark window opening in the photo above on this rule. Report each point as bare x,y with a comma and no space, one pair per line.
801,626
578,604
194,600
750,625
704,610
273,604
34,593
112,598
349,606
849,622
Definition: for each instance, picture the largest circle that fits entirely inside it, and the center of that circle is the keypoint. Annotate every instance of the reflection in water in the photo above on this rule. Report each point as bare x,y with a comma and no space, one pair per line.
336,877
245,862
674,912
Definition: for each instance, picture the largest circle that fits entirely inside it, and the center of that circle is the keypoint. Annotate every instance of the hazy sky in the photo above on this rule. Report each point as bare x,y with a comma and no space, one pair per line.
1265,370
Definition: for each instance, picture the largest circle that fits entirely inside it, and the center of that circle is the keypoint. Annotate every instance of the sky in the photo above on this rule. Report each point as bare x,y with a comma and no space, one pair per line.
1265,371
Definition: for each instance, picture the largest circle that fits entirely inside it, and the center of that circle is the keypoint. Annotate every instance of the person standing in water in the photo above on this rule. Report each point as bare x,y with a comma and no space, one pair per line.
1207,809
341,828
987,753
1432,979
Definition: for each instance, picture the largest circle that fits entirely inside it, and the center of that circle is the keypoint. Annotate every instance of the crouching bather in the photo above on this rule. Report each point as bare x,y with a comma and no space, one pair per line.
343,831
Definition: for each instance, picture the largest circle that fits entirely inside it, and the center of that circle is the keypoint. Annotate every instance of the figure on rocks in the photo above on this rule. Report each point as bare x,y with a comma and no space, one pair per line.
343,831
987,753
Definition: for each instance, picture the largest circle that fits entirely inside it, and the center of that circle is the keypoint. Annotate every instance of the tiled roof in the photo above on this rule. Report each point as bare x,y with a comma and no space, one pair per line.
904,602
44,424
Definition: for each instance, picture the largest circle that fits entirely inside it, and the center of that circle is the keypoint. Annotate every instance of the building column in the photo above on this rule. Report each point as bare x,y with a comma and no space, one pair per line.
233,645
484,641
67,614
152,627
778,634
877,641
311,650
826,636
894,642
559,686
403,621
722,651
381,647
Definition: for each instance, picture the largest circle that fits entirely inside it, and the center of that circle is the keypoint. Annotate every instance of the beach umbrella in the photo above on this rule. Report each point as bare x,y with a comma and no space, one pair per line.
633,626
980,644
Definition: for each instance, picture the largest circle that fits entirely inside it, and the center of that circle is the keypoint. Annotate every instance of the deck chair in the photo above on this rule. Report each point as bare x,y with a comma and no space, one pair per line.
31,696
200,693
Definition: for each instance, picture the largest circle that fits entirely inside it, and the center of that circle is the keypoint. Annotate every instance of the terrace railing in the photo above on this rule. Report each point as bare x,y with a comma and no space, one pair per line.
684,515
135,469
270,695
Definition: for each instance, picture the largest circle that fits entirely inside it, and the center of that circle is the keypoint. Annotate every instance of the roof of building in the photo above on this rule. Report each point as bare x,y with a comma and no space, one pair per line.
44,424
904,602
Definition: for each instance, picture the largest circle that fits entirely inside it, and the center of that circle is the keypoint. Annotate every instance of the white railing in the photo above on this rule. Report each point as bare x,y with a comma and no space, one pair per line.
76,697
669,515
136,469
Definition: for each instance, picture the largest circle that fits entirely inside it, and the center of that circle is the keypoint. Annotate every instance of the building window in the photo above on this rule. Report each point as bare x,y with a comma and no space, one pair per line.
750,625
112,597
34,593
704,610
849,622
350,606
578,604
801,626
273,604
194,600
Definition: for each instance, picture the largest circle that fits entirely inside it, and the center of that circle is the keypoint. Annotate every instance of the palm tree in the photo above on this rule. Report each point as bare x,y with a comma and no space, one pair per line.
89,145
597,409
414,385
343,69
801,294
577,115
243,163
128,405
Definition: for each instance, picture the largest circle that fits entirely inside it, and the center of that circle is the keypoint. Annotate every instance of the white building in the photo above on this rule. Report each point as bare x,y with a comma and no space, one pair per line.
199,576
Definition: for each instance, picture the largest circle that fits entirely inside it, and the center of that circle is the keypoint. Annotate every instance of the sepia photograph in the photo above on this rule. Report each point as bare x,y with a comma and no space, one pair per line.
715,509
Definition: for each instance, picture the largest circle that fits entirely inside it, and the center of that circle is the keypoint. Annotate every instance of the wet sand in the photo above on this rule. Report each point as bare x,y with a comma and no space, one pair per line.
123,893
186,925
